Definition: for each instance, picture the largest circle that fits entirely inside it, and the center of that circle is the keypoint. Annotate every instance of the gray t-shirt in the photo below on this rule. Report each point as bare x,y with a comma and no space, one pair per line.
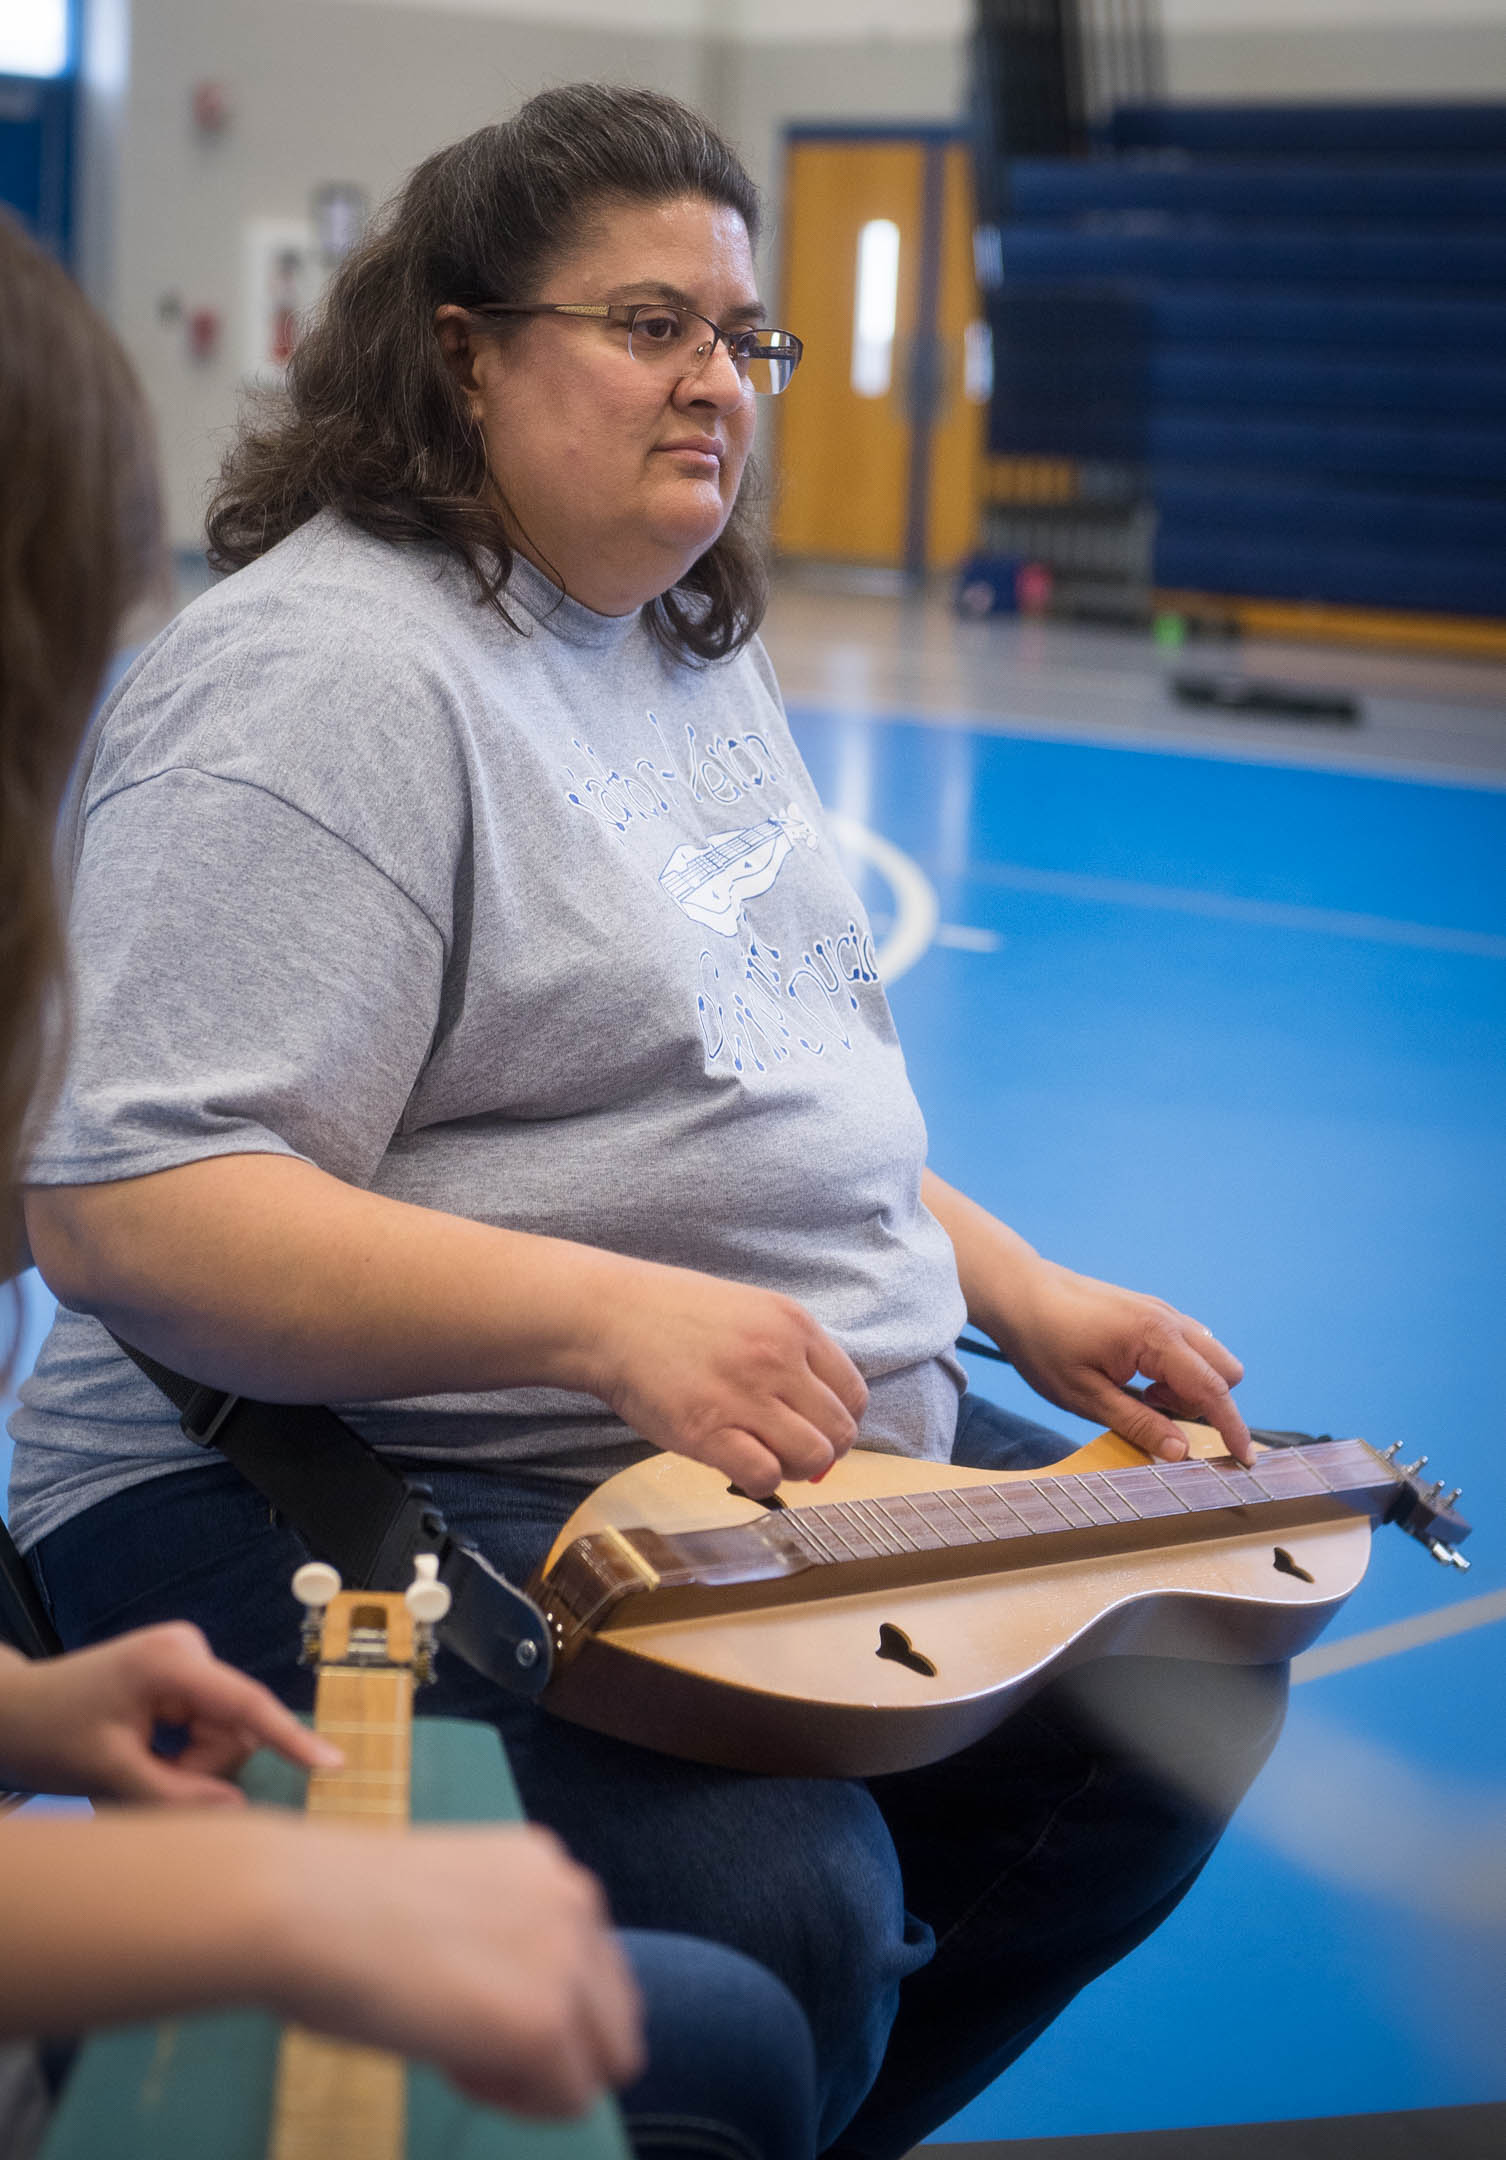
538,926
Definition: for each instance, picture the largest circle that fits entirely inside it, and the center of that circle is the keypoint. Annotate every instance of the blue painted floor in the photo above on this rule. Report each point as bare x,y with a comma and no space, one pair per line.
1237,1034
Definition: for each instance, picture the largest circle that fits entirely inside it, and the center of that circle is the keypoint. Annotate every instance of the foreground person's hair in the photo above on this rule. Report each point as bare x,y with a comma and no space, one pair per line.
372,423
78,542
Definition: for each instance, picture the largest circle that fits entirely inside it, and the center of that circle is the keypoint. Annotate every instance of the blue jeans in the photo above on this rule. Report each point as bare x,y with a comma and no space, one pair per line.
732,2072
929,1924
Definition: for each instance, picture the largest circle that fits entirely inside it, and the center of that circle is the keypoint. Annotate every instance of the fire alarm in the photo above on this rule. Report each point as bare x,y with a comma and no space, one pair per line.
204,327
211,108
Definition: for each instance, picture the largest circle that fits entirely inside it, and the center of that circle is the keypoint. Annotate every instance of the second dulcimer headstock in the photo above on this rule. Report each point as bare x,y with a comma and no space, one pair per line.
372,1628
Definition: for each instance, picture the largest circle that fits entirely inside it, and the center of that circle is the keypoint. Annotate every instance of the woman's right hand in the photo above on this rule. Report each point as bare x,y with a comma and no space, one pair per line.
487,1952
740,1378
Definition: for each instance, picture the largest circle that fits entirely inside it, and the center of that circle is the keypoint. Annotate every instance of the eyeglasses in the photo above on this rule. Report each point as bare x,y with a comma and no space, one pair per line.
675,339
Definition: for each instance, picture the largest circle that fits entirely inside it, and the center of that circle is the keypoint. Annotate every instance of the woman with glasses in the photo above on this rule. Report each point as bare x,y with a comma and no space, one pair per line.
485,1952
476,1031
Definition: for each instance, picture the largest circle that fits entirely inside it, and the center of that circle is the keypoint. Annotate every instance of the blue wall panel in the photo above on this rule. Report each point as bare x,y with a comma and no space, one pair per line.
36,157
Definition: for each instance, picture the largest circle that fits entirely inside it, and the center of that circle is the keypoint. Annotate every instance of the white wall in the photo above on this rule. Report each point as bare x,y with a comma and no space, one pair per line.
678,18
320,91
1362,15
747,21
1418,49
359,90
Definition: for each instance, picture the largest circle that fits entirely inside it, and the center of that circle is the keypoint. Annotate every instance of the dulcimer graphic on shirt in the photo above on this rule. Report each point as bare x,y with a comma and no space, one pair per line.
712,879
917,1605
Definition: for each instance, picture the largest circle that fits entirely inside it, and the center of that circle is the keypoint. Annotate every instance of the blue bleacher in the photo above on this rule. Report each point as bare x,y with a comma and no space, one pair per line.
1312,384
1241,188
1204,250
1200,502
1292,568
1293,321
1379,324
1369,130
1325,382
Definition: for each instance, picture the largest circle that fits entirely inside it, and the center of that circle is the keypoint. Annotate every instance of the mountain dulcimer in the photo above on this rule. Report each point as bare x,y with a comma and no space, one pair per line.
916,1605
234,2085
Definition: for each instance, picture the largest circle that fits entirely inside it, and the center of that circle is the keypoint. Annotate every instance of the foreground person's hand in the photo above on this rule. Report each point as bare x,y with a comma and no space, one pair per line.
1079,1342
740,1378
84,1723
486,1952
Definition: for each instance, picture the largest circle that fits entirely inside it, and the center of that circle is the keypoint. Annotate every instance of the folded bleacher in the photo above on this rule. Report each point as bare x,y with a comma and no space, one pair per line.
1283,327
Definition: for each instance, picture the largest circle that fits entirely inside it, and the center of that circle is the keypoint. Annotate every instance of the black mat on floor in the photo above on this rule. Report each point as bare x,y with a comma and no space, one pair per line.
1455,2133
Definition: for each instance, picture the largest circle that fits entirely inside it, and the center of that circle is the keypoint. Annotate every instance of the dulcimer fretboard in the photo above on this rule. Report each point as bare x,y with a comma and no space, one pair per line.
336,2100
700,870
998,1523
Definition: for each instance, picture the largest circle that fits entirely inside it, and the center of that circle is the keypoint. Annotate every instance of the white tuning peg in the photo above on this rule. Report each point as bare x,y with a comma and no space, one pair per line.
426,1597
315,1584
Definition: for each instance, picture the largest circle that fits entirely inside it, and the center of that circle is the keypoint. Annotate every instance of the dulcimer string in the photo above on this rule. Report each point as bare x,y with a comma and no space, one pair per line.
1010,1514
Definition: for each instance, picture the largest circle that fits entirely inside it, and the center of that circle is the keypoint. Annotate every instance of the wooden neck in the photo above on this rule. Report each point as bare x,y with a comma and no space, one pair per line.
336,2101
1000,1522
368,1713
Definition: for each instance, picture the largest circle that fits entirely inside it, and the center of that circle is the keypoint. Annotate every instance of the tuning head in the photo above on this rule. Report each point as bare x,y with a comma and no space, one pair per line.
1425,1511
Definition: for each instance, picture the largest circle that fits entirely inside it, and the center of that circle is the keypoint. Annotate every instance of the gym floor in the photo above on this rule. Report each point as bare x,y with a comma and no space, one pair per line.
1217,1007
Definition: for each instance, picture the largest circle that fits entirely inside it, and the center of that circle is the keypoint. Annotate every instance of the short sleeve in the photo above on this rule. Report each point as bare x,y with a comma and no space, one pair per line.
243,981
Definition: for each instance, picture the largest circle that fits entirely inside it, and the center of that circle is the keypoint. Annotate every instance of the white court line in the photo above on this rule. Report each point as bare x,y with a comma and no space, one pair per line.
1399,1635
962,937
1143,735
917,911
1265,914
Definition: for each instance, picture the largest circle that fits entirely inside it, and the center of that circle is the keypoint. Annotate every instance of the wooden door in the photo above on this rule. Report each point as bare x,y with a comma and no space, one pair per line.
879,456
964,378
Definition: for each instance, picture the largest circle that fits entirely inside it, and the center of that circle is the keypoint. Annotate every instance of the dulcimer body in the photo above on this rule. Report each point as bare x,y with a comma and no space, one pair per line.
905,1608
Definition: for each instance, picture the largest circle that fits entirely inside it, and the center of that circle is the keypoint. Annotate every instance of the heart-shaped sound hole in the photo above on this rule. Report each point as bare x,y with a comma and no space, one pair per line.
894,1643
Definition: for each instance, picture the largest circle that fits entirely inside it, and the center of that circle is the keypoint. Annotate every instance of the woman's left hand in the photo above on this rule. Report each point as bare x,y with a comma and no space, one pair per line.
1079,1342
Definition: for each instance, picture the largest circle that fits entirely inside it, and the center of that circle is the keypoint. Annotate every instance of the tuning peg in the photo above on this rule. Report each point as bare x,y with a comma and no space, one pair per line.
1450,1498
1410,1469
426,1597
316,1584
1447,1555
1390,1454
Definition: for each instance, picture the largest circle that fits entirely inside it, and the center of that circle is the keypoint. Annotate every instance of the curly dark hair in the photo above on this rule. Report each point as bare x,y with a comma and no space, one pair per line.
372,423
79,541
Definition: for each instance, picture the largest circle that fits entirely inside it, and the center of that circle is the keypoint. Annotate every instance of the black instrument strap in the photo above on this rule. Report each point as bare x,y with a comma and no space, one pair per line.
24,1619
354,1509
